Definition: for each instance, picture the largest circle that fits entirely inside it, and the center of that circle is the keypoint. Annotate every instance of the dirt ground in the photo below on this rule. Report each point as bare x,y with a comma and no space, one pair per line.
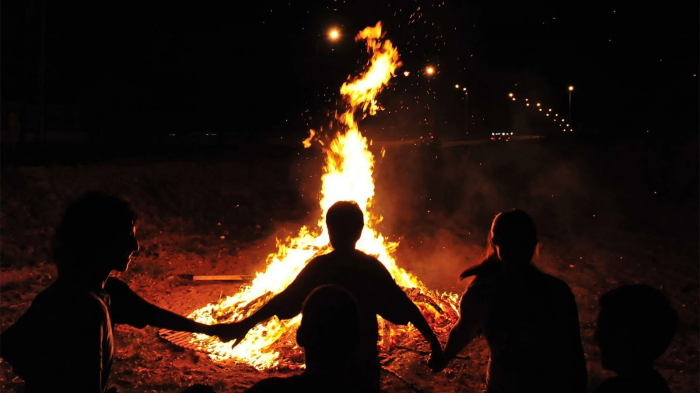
222,216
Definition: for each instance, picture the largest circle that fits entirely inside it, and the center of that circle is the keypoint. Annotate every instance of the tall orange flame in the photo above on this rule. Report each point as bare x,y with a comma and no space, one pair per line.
348,175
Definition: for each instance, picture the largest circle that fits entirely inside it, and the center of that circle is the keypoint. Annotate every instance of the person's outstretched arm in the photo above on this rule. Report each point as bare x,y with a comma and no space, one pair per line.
286,304
396,307
131,309
464,331
162,318
418,320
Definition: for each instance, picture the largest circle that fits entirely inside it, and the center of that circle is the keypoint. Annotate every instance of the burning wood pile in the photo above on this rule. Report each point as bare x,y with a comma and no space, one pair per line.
348,175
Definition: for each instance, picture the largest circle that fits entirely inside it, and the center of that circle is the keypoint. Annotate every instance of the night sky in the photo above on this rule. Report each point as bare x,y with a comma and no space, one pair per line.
265,69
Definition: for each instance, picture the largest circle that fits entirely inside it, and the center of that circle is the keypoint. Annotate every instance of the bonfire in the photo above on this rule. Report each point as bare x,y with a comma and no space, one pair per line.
348,175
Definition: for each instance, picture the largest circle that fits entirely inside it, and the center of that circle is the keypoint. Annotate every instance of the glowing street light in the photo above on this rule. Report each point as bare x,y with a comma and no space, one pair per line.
429,70
456,86
333,34
510,95
406,73
571,88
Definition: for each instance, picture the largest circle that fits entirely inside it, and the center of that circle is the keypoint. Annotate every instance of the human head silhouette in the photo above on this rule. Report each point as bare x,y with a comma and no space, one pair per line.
330,325
345,222
636,324
96,235
513,236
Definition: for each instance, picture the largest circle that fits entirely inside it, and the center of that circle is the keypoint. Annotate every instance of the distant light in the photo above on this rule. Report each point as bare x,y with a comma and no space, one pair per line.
333,34
464,89
456,86
571,88
528,104
550,109
406,73
513,98
430,70
538,104
510,95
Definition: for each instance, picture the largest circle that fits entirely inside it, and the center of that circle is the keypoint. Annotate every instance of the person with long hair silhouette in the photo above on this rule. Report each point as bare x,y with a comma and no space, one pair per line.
529,318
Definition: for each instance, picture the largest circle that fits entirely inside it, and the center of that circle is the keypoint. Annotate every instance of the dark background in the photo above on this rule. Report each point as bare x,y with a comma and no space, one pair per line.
196,113
154,73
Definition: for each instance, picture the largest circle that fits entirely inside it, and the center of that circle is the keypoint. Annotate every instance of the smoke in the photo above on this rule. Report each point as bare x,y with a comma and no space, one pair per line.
441,200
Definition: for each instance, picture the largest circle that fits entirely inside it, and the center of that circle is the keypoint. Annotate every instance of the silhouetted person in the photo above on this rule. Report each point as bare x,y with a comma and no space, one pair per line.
636,325
529,318
329,333
363,276
64,343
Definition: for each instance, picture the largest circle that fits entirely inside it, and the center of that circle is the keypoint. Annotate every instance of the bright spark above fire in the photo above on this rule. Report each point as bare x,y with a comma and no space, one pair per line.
348,175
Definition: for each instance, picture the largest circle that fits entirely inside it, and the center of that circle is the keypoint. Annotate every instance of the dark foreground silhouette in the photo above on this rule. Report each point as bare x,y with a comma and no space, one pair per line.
529,318
64,341
636,325
329,333
363,276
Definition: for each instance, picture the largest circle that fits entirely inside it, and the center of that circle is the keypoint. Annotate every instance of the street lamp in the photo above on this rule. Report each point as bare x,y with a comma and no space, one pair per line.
333,34
571,88
429,70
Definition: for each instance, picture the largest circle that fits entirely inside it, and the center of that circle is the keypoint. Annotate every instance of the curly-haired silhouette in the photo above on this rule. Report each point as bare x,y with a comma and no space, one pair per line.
636,325
329,333
64,341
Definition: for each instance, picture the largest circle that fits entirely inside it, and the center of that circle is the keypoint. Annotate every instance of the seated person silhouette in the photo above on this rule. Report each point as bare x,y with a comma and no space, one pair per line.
363,276
64,343
636,325
329,333
529,318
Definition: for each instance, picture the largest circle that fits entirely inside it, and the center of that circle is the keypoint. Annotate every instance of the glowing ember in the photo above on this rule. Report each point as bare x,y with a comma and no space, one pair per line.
347,176
307,141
